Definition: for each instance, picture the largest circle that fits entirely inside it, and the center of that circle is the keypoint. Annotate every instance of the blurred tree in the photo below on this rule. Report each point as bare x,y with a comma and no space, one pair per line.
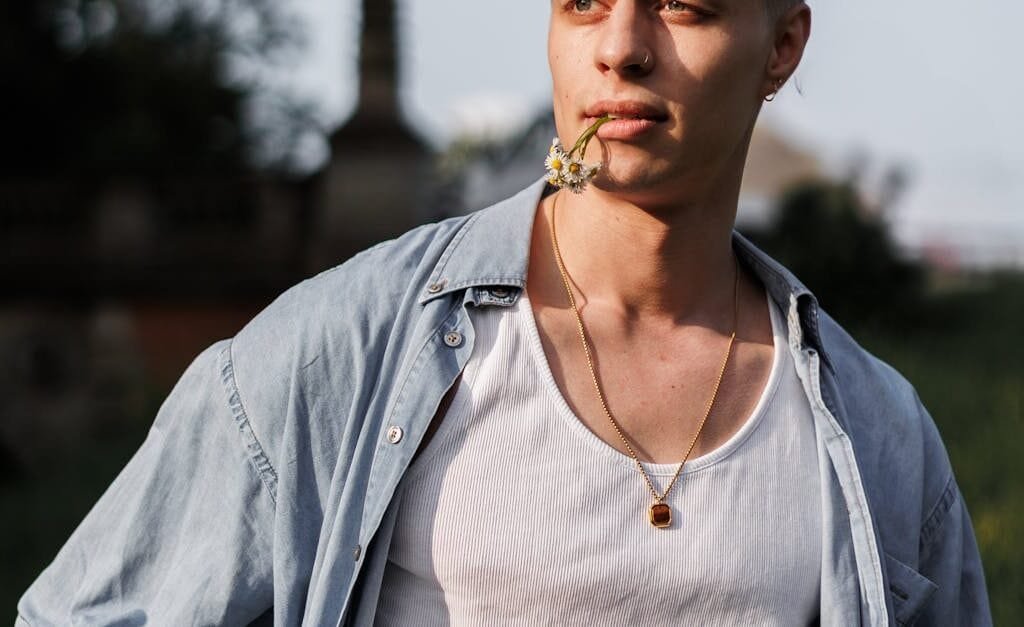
137,87
842,250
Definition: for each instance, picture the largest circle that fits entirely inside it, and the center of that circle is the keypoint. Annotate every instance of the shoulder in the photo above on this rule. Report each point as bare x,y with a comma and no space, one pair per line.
319,369
331,348
864,379
884,415
376,278
902,459
357,298
319,348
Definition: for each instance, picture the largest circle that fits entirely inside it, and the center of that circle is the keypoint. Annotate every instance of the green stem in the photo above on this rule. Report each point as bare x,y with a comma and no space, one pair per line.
581,143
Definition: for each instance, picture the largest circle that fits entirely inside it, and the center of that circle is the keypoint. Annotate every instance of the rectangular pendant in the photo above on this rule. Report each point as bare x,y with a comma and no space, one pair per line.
660,515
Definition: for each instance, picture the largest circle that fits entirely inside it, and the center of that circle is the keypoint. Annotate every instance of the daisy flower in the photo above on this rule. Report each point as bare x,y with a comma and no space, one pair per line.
574,170
556,163
565,169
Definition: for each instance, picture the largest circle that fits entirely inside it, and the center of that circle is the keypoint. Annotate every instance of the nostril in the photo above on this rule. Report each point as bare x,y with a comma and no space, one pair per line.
639,68
634,68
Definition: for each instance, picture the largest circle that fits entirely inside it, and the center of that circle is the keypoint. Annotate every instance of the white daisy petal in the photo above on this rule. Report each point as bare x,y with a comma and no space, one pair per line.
564,169
574,170
556,161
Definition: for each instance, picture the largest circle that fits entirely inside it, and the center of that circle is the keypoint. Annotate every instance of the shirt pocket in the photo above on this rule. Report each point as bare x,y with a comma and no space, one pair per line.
910,590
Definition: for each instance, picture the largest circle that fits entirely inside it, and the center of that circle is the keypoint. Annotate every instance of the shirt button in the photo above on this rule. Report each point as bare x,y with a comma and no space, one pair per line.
434,288
453,339
499,292
395,434
357,553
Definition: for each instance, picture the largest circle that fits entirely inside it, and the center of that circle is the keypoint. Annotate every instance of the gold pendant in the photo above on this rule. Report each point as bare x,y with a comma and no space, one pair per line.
660,515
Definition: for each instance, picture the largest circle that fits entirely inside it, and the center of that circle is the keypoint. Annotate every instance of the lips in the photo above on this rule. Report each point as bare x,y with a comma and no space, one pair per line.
625,109
632,118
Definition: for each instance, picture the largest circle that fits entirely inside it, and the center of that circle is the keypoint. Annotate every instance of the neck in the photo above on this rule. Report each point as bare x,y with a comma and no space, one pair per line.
670,262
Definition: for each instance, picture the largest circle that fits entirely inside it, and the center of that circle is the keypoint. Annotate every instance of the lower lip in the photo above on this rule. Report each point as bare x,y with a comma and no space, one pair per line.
625,128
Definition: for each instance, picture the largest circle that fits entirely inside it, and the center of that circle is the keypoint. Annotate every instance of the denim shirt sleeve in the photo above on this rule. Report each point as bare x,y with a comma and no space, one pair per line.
184,534
951,562
949,559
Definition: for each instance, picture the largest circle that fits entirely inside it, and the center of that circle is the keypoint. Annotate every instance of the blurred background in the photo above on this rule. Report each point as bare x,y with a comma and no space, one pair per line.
169,167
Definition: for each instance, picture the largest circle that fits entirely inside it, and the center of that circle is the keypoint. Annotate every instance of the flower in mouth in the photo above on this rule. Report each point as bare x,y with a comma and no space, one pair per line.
566,169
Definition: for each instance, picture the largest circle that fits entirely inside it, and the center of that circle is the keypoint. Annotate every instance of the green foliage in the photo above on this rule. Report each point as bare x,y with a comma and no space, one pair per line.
842,251
131,87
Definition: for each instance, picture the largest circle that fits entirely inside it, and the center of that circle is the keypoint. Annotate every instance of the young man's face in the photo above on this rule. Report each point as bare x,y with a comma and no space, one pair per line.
693,72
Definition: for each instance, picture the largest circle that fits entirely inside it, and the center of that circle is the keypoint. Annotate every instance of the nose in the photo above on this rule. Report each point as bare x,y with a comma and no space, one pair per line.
624,46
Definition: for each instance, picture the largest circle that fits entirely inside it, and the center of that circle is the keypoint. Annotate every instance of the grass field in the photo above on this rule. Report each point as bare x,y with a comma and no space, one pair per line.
966,364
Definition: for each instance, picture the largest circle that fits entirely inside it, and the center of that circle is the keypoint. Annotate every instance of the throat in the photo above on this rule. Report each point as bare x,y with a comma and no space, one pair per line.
635,264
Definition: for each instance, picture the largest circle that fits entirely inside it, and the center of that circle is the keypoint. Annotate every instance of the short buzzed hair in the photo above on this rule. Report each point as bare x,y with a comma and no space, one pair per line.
776,8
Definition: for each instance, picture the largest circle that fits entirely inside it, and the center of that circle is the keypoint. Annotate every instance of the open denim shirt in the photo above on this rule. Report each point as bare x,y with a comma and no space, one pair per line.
266,488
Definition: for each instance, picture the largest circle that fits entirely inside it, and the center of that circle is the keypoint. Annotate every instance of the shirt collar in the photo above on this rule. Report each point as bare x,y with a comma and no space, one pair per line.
492,249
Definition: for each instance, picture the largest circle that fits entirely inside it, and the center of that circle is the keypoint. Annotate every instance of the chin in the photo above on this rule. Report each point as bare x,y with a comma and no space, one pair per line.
635,176
648,187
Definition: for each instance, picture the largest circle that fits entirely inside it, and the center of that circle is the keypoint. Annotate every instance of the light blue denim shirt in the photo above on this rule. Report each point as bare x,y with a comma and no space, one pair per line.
266,489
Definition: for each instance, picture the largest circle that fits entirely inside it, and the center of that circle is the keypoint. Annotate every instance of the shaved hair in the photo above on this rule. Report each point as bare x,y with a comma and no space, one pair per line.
776,8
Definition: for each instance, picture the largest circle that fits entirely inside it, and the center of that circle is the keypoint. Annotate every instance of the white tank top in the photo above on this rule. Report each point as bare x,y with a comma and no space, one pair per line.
516,513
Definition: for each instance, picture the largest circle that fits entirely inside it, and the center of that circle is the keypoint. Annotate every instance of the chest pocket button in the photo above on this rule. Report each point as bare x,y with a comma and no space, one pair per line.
453,339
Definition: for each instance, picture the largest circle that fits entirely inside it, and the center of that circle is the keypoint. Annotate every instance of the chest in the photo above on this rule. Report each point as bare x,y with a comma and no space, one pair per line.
661,389
516,509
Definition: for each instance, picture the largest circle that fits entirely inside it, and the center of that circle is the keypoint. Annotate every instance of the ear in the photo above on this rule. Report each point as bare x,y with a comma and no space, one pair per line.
792,31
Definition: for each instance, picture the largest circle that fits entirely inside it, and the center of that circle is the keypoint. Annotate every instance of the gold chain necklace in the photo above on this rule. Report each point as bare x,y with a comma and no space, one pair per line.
659,514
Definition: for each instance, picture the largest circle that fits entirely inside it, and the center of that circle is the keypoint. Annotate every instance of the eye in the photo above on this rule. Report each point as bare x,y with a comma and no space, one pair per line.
585,11
692,13
675,5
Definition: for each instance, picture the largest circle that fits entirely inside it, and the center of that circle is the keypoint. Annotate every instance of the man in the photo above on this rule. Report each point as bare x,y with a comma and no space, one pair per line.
594,408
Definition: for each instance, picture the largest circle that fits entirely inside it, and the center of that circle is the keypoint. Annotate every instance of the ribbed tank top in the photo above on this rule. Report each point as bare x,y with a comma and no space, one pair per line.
516,513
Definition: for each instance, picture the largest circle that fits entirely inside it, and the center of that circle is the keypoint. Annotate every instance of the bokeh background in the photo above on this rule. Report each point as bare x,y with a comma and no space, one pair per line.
169,166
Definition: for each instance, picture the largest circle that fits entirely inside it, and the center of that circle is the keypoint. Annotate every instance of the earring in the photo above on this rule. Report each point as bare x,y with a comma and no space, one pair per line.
778,85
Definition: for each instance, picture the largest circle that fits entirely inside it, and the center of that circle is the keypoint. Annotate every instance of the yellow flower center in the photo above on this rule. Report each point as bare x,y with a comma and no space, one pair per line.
574,168
556,164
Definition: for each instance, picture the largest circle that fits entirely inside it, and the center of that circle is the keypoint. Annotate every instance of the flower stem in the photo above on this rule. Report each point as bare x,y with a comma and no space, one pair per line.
581,143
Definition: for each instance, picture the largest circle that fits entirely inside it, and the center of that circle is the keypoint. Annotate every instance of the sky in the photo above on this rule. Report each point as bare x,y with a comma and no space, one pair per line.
934,87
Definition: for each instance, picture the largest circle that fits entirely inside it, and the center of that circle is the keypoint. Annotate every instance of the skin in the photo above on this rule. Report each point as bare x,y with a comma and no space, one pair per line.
648,243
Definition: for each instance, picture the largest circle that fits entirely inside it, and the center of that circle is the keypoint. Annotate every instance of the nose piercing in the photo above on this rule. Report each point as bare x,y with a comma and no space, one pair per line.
647,58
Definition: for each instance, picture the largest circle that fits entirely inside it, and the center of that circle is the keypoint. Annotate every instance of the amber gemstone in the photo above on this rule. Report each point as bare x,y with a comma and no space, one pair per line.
660,515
